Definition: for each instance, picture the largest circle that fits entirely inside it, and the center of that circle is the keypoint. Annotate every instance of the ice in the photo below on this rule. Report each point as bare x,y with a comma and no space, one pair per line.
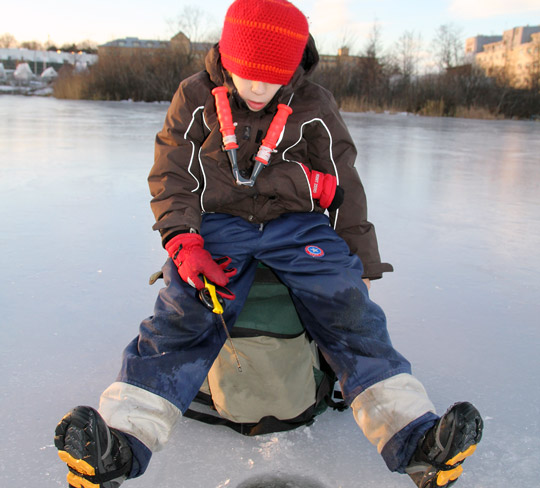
457,208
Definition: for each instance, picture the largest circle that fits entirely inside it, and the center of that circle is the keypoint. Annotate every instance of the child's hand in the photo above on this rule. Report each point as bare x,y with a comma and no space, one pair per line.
324,188
192,260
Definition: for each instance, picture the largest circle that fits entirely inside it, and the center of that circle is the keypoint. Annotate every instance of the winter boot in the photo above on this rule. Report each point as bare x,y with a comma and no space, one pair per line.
97,456
436,463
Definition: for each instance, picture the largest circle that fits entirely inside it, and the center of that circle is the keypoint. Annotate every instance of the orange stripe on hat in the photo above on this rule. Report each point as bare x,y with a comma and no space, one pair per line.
258,66
301,36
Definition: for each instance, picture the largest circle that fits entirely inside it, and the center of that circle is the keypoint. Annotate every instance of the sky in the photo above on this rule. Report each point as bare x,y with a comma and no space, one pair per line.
331,21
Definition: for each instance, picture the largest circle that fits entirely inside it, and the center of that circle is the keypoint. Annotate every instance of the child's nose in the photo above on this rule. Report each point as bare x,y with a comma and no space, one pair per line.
258,87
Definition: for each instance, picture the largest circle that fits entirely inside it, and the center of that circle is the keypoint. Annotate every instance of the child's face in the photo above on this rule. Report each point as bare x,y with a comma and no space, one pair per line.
256,94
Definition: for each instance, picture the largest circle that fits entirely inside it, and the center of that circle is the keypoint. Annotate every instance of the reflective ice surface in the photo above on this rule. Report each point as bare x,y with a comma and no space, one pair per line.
457,209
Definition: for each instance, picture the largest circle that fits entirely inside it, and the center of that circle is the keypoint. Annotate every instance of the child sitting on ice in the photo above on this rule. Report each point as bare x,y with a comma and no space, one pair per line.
300,209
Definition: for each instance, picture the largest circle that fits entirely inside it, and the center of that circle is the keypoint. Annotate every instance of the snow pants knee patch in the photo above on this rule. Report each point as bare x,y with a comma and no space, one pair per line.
391,413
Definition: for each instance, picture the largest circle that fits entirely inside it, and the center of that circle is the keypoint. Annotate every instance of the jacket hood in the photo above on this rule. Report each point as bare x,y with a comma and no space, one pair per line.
219,75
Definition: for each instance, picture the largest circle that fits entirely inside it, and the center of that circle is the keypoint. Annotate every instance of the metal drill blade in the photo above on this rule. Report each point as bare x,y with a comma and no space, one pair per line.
229,338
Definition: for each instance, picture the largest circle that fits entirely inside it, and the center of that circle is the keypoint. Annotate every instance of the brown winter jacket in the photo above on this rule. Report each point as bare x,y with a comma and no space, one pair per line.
192,174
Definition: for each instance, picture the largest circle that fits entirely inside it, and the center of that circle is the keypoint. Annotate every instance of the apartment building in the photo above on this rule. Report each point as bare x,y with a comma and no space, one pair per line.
514,56
475,45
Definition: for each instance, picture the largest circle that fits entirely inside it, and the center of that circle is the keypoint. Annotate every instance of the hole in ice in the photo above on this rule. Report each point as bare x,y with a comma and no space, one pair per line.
281,481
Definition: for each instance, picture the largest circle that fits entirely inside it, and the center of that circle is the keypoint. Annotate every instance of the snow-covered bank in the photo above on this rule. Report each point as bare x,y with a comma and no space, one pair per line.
41,89
456,207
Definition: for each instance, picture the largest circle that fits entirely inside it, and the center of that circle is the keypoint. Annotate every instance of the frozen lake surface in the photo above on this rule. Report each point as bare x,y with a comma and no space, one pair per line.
456,204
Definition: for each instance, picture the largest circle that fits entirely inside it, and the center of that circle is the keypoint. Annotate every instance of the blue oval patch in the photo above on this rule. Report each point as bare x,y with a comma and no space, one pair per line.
314,251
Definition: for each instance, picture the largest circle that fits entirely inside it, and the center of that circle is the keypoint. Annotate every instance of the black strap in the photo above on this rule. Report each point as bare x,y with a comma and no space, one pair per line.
266,425
340,406
326,390
103,477
244,332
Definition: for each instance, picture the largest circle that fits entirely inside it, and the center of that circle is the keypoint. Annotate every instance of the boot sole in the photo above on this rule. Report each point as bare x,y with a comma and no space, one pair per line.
83,419
468,426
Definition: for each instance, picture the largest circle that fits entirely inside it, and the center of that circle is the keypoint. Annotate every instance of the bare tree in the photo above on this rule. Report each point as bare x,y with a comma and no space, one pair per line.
371,73
88,46
406,53
196,24
447,46
373,48
32,45
7,41
347,41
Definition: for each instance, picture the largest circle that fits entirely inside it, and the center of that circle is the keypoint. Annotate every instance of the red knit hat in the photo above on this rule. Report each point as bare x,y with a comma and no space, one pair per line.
263,40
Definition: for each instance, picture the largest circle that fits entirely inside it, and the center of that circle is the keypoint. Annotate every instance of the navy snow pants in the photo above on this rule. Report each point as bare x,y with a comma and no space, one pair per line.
178,344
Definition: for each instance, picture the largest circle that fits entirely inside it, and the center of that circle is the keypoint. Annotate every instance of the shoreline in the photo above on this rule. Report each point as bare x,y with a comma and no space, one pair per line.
474,113
41,89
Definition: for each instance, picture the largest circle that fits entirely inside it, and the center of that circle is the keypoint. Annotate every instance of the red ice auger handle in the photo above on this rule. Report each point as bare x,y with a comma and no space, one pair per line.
269,143
225,119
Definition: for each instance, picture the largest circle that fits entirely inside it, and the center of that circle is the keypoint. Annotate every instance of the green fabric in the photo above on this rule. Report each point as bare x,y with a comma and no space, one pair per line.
269,308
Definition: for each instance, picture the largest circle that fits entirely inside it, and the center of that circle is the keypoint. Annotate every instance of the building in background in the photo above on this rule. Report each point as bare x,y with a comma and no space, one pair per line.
131,45
39,60
343,58
513,57
475,45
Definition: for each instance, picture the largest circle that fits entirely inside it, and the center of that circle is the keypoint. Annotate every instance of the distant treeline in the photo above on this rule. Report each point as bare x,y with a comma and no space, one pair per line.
458,92
367,84
139,76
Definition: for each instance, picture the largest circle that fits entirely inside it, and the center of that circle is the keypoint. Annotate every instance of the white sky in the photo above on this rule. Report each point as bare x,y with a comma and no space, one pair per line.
331,21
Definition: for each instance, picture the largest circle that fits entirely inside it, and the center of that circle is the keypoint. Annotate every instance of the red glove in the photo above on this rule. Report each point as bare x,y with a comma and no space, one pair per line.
188,253
323,188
